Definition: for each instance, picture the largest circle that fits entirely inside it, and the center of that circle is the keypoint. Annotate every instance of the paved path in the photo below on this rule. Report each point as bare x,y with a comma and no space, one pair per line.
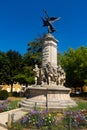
18,113
2,128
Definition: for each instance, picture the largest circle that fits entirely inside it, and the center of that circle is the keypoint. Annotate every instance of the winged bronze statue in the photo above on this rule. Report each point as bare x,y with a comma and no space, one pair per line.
48,22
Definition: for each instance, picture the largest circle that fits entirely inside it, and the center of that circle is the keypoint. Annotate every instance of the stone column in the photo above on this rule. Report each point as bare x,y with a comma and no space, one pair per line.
49,51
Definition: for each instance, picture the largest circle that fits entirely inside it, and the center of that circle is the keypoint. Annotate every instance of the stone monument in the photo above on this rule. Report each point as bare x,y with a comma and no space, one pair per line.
49,91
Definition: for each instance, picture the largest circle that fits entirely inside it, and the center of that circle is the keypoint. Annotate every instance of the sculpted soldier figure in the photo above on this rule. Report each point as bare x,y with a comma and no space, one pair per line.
49,72
49,75
36,73
61,76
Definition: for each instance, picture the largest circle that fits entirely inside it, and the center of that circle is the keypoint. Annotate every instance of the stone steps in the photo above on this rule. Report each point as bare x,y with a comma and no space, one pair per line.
28,104
30,101
31,105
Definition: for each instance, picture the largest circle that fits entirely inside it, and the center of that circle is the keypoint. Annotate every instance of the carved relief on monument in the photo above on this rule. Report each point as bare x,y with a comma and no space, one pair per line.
49,75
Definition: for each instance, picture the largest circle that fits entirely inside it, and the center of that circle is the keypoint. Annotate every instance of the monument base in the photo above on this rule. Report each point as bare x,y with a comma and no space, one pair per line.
47,97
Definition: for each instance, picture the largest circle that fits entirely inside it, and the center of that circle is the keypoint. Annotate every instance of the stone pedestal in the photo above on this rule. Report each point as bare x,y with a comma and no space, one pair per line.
48,98
49,51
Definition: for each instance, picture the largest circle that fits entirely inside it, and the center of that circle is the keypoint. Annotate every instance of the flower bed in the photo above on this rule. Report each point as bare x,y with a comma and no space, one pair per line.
38,119
6,105
44,120
75,119
71,119
3,105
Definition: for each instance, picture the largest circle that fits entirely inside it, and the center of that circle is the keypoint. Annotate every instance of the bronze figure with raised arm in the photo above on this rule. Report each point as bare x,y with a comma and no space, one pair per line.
48,22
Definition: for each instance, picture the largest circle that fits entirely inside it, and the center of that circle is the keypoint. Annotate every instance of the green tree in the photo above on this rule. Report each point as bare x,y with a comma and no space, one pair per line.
4,68
75,64
32,57
34,51
26,76
15,65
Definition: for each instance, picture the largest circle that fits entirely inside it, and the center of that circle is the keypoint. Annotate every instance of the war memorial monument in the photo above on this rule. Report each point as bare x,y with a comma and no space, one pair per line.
49,91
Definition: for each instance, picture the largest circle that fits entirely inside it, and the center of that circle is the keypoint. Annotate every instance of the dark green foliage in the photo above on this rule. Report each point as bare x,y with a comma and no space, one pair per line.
16,68
75,64
3,94
15,63
15,94
34,51
10,65
26,76
32,57
4,68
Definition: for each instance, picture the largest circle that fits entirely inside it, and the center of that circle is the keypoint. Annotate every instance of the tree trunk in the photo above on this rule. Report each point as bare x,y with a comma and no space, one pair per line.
11,87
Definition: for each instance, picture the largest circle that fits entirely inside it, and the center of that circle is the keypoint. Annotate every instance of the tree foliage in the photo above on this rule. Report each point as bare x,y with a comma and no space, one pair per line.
75,64
34,51
17,68
32,57
4,68
15,61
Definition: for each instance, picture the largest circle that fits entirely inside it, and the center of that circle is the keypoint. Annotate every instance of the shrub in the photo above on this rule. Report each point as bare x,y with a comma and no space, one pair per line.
15,94
3,95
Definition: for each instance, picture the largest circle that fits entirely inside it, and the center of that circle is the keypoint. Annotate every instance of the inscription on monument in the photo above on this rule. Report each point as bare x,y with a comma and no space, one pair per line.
45,55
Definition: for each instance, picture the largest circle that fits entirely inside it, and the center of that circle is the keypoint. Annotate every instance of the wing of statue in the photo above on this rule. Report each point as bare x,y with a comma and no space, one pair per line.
47,17
53,19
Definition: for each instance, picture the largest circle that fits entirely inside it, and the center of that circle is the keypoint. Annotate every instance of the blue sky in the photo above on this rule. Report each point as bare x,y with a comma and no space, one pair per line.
20,23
